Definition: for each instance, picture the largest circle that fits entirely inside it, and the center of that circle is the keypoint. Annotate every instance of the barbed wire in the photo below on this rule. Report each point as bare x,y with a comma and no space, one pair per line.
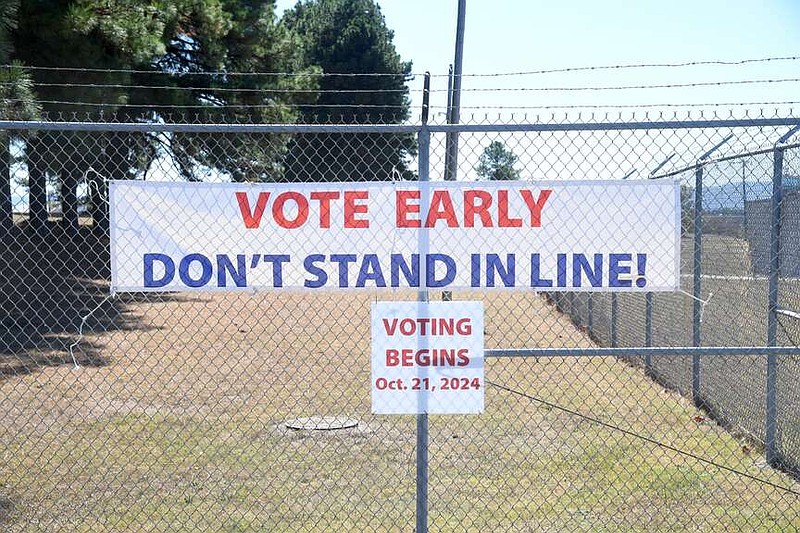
221,73
84,111
103,86
631,106
211,107
412,75
631,66
245,107
629,87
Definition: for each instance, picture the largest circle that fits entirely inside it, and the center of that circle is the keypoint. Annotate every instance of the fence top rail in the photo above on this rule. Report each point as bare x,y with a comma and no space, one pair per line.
144,127
641,351
153,127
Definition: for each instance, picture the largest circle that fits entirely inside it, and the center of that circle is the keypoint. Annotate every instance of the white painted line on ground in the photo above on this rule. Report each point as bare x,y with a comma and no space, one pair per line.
737,278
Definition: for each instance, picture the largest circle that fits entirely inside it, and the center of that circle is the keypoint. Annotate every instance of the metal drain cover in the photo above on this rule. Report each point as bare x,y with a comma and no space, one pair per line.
322,423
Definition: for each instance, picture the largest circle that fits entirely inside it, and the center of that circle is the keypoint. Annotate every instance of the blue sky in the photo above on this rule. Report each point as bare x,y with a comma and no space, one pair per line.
505,36
517,35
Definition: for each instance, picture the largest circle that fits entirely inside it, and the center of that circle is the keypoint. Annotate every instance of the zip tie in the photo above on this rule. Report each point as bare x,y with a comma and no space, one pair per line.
703,303
93,186
83,323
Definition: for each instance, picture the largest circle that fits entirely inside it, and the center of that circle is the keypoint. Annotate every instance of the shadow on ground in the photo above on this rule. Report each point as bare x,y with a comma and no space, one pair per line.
5,509
50,281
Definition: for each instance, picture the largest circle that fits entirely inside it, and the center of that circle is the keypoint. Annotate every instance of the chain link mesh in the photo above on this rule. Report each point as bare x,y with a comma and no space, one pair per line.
180,411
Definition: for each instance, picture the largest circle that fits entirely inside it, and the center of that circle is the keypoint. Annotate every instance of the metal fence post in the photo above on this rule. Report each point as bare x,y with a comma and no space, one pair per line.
590,314
770,440
697,268
454,111
697,271
424,144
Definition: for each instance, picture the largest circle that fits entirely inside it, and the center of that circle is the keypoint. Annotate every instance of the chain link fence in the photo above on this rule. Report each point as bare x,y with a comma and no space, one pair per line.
734,307
251,410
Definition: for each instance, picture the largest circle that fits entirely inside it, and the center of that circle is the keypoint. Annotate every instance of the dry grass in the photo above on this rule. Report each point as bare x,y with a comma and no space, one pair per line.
182,427
733,387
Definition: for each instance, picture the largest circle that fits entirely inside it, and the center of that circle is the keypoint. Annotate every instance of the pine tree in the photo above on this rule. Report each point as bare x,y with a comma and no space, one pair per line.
364,83
182,52
497,163
17,102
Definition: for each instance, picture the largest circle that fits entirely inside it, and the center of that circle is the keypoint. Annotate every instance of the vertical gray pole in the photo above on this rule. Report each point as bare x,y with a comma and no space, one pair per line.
448,140
449,94
697,269
454,108
697,272
613,319
451,157
590,312
771,443
648,332
424,144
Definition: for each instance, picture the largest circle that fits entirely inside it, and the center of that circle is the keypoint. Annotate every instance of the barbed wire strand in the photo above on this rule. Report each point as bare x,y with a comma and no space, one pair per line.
220,73
211,107
643,438
629,106
104,86
723,83
412,75
630,87
633,66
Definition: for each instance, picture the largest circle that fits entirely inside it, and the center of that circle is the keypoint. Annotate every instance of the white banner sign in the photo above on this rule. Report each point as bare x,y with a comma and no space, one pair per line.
427,357
576,236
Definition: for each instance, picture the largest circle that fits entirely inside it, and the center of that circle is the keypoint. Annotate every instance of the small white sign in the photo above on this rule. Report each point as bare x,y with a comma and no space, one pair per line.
427,357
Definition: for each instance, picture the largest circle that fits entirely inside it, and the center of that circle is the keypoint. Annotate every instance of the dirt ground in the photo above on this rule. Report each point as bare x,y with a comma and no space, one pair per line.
175,420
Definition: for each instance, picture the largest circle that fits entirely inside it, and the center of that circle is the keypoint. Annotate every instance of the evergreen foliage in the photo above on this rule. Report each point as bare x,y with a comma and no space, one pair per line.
346,38
497,163
201,61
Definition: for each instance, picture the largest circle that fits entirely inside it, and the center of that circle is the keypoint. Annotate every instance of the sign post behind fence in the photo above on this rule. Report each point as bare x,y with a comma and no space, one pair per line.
770,440
697,268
